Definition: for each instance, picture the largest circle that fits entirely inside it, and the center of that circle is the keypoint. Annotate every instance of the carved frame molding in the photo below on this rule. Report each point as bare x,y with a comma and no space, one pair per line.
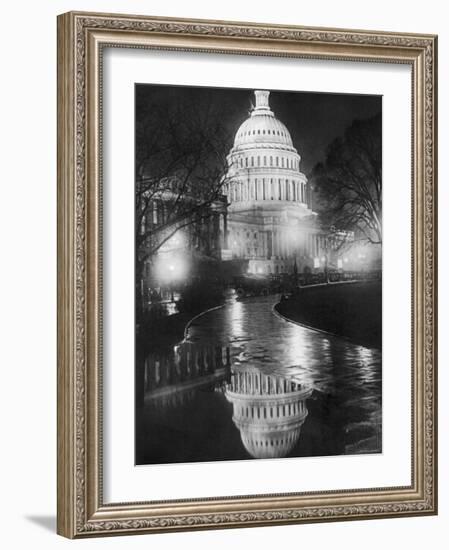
81,38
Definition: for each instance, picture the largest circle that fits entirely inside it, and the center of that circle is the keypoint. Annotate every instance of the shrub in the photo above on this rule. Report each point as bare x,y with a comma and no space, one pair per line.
200,296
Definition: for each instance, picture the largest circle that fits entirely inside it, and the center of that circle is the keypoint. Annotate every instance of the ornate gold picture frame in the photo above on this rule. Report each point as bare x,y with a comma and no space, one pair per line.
82,509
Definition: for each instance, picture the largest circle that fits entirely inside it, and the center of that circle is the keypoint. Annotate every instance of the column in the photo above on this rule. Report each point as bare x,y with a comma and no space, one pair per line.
221,230
225,230
217,237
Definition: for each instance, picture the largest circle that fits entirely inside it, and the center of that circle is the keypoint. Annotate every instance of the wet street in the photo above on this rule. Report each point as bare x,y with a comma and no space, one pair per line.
245,383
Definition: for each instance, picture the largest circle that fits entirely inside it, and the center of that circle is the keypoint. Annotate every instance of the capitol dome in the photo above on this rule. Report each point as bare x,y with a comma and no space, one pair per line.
271,224
262,127
263,163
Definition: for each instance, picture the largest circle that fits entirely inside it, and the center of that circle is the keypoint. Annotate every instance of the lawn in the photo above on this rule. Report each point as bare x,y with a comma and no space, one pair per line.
351,310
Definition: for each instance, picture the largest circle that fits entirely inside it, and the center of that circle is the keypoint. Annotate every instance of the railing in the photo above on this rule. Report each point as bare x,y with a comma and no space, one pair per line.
185,364
338,276
275,284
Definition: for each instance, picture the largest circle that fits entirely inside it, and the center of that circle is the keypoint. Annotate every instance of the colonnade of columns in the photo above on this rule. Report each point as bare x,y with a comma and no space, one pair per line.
257,383
285,246
260,411
208,231
258,189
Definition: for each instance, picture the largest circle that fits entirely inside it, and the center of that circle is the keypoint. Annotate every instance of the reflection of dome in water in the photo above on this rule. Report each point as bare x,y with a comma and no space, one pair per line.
269,412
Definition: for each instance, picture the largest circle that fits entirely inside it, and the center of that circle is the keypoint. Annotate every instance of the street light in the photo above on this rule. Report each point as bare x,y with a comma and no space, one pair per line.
171,267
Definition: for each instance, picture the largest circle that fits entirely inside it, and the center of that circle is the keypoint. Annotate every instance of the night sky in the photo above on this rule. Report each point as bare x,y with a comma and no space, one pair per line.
313,119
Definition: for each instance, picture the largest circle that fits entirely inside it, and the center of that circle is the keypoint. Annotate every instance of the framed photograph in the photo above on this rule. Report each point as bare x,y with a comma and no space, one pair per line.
246,274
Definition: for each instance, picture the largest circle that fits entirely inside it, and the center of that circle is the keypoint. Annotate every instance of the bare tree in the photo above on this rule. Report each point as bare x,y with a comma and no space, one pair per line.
348,185
181,167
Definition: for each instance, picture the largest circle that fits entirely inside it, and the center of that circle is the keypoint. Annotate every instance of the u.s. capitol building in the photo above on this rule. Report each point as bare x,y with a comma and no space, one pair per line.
271,223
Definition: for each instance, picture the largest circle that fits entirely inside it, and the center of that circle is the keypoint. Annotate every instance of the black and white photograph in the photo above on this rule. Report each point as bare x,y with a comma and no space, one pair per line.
258,274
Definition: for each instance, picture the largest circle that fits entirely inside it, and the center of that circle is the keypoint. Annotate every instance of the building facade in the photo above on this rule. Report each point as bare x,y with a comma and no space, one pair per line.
181,246
271,221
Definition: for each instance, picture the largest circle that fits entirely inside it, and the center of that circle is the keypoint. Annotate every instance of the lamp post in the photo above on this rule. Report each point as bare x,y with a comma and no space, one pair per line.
172,263
295,274
171,269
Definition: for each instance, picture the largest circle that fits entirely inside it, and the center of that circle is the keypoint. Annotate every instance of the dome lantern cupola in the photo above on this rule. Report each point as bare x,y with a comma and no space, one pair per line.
262,103
262,128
